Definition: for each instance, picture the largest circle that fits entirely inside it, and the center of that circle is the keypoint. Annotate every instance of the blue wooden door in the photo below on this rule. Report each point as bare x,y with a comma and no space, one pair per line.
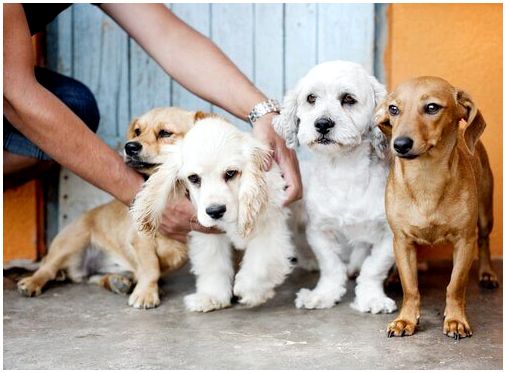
273,44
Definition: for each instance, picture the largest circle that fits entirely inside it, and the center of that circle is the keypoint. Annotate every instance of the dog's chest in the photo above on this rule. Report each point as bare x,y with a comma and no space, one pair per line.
346,196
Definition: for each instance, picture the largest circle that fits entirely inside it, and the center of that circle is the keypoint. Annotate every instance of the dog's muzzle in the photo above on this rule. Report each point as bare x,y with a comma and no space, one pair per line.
216,211
402,146
323,125
133,148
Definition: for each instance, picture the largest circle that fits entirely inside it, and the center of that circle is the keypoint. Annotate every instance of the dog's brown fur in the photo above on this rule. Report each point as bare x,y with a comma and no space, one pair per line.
442,195
125,257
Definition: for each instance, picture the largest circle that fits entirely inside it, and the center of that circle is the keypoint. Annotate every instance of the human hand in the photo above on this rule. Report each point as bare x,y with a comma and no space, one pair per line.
179,219
284,157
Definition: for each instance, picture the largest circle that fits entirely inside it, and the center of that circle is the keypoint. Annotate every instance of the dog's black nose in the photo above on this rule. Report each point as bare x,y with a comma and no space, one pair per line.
323,125
216,211
133,147
403,145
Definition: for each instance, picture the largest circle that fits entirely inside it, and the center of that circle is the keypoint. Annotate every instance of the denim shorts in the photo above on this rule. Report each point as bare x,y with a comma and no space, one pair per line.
72,93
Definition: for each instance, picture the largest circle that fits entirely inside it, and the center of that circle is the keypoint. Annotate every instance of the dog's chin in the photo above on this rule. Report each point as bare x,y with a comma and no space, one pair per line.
140,165
329,146
407,156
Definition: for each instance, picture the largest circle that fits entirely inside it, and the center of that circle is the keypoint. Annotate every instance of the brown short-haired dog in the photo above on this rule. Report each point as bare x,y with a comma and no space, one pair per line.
439,190
104,243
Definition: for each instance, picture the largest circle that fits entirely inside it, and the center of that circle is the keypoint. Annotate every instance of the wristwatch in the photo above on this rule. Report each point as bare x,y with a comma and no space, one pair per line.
262,108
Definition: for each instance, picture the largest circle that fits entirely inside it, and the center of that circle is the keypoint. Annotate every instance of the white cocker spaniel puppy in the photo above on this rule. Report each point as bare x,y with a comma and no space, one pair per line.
330,111
222,171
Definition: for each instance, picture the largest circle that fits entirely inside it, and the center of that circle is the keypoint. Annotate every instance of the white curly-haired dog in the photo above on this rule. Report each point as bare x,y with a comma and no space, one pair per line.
330,111
222,169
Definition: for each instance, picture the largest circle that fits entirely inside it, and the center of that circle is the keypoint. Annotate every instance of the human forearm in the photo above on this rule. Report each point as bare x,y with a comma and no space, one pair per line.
48,123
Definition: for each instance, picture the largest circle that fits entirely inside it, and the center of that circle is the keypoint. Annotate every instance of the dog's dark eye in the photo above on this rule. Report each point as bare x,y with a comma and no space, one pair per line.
164,133
432,108
348,99
194,179
393,110
230,174
311,99
137,132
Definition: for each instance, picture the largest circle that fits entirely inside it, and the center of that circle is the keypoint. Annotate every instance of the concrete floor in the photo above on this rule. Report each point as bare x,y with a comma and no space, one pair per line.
85,327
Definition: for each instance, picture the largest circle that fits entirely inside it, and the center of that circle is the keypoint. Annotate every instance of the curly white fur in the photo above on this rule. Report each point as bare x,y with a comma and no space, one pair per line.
344,183
255,219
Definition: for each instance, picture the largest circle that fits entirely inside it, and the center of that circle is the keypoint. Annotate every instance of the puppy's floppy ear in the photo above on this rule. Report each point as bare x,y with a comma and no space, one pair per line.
379,90
286,124
475,124
199,115
253,195
157,191
379,140
382,119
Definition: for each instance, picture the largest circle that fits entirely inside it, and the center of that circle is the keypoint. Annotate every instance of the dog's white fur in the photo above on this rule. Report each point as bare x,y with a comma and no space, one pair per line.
344,184
255,219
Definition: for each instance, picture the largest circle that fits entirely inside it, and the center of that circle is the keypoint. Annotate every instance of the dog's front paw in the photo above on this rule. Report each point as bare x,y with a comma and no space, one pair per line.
401,328
488,280
374,304
251,295
457,328
199,302
144,297
29,287
312,299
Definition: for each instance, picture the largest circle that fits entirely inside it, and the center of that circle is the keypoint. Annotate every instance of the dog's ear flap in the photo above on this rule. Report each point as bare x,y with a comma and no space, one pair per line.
199,115
379,140
162,187
382,119
253,192
286,124
474,122
379,90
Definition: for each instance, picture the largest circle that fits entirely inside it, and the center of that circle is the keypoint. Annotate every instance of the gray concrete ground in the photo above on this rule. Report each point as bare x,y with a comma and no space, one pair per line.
85,327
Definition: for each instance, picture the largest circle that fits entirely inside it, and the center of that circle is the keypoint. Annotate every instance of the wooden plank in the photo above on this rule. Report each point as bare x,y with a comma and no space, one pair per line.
268,49
346,31
300,41
100,59
232,31
197,16
150,85
59,43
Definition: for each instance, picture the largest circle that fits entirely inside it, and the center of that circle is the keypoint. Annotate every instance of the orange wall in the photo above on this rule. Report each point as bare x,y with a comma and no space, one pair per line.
462,43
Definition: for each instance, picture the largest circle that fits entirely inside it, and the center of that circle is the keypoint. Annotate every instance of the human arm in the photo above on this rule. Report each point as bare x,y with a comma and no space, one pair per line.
199,65
47,122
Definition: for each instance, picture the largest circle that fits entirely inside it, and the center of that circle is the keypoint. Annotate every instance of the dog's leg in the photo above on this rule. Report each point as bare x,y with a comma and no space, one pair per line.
455,324
119,283
211,260
405,259
358,255
487,277
369,293
145,294
332,283
266,263
67,248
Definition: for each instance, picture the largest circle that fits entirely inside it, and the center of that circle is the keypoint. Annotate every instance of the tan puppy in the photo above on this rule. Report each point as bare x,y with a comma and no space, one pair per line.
104,242
439,191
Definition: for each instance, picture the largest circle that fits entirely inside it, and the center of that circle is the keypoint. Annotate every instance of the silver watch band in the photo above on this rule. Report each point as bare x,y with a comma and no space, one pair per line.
262,108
